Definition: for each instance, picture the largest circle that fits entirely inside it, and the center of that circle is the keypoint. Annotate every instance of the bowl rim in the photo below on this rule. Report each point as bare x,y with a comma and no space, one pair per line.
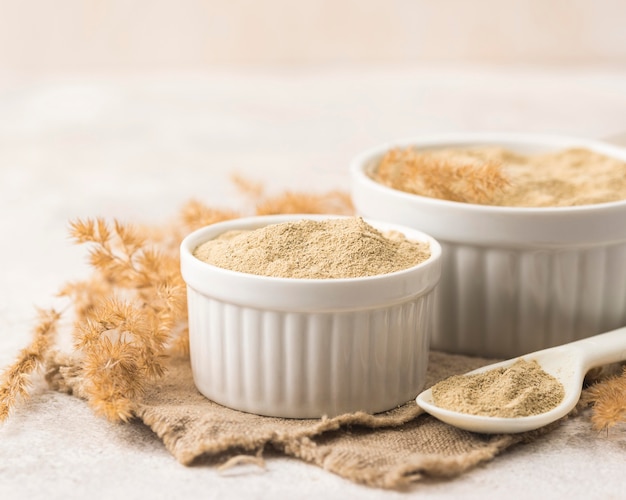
550,228
306,293
359,165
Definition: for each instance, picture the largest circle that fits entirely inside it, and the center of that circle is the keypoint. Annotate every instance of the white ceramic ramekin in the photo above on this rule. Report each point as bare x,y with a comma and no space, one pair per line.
514,280
305,348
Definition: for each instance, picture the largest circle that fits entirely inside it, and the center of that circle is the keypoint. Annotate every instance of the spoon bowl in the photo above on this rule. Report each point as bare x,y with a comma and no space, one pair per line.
568,363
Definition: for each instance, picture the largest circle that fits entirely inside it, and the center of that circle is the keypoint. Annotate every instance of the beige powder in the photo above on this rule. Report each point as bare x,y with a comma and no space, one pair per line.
562,178
330,248
520,390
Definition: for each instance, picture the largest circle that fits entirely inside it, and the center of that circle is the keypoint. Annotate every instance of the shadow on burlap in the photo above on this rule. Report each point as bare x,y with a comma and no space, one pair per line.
387,450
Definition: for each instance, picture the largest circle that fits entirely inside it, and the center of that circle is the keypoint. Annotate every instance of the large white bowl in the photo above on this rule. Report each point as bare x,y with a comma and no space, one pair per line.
305,348
514,280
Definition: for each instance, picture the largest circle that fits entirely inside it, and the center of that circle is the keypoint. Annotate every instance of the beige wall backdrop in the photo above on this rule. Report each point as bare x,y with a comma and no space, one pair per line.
121,35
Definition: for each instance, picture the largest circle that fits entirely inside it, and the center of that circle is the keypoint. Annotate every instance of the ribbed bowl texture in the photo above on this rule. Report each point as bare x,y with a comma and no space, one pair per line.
514,280
304,348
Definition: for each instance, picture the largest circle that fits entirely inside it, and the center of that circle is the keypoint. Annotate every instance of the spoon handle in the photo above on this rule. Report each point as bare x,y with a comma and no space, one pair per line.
603,349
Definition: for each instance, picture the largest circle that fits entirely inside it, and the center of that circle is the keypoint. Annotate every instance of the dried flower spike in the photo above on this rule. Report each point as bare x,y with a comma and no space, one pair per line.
130,315
16,379
609,402
123,329
336,202
418,173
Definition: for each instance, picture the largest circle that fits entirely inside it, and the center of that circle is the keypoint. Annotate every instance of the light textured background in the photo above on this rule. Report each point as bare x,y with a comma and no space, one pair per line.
136,148
120,35
127,108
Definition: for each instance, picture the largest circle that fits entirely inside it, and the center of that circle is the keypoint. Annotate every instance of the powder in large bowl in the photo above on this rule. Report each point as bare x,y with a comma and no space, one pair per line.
314,249
493,175
515,279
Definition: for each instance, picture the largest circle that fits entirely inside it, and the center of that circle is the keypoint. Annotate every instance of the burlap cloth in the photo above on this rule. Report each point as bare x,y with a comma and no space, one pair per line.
387,450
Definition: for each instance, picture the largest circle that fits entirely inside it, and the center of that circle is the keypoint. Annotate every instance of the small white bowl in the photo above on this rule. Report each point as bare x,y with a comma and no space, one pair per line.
514,280
305,348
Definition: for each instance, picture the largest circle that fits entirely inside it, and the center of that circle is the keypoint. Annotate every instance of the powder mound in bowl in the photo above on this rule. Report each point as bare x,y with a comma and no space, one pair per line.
491,175
314,249
520,390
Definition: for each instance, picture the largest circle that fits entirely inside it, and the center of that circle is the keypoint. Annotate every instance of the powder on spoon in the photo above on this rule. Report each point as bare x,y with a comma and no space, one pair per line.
325,249
520,390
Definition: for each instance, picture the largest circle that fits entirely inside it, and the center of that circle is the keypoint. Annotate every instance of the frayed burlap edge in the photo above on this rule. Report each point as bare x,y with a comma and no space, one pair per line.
193,428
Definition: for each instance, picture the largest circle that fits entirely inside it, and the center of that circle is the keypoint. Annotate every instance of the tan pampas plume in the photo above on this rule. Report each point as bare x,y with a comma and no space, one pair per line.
196,214
15,381
609,402
293,202
130,314
124,327
251,189
336,202
414,172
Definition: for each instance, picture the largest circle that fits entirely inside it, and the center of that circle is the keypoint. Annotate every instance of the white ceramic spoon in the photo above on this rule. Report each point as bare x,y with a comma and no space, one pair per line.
569,363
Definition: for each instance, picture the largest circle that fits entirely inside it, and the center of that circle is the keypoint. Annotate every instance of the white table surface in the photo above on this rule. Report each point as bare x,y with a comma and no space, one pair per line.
137,147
